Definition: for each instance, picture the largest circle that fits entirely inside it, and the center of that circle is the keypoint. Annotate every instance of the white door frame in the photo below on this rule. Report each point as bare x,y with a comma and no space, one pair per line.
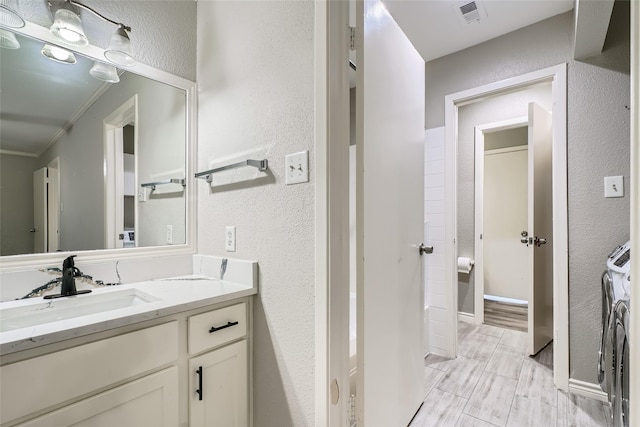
634,386
478,290
53,206
557,75
113,167
332,397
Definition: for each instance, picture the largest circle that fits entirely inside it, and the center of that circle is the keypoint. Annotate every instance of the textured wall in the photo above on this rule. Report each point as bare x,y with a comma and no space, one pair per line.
598,145
163,33
256,98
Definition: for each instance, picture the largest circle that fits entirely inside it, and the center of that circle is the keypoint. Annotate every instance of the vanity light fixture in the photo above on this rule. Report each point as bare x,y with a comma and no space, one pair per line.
105,72
8,40
58,54
9,17
67,27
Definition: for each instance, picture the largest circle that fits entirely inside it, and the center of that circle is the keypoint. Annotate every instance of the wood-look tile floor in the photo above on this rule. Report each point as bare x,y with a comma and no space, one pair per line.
493,383
506,315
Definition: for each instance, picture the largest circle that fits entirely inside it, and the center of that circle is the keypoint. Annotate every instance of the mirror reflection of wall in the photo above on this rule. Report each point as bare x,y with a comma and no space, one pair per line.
52,117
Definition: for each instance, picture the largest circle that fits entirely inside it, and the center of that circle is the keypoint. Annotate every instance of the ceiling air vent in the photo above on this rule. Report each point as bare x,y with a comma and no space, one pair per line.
471,11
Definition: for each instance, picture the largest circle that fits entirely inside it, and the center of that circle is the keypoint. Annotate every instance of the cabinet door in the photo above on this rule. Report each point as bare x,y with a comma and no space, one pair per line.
149,401
218,387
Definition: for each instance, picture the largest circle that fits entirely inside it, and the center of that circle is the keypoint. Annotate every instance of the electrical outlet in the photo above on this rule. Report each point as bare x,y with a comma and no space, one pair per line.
230,239
169,234
297,168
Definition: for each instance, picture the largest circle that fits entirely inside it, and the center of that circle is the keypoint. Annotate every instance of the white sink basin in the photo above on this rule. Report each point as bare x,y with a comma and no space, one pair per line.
70,307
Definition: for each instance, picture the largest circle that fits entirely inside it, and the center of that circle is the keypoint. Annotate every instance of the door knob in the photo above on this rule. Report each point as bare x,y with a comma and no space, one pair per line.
539,241
524,239
425,249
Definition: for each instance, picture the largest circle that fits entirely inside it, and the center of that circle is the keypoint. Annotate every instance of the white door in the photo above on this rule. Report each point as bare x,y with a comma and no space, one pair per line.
390,205
540,229
39,229
53,206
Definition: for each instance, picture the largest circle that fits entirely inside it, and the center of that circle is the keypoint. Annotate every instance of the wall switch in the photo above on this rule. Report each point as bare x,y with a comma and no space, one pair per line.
169,234
297,168
230,239
613,186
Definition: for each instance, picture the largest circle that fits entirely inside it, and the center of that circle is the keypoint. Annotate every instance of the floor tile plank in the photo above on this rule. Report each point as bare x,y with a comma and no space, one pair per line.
462,377
531,412
491,399
439,409
506,361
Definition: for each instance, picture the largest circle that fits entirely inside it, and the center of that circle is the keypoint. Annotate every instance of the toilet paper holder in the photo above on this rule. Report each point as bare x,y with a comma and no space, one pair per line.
465,265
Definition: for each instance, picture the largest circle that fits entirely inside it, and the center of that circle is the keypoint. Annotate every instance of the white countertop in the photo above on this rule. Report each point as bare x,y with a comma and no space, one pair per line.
173,296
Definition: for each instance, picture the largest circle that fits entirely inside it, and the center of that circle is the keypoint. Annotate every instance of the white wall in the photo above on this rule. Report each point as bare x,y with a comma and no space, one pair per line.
434,176
16,204
256,96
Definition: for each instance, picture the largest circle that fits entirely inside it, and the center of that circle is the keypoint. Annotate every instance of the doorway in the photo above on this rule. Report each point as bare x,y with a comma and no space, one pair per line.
455,187
120,148
501,212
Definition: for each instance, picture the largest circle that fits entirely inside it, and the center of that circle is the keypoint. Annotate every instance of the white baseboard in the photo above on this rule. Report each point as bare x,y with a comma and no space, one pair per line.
466,317
585,389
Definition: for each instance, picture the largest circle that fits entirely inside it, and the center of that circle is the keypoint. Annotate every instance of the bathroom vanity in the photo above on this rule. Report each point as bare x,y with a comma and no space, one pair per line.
179,354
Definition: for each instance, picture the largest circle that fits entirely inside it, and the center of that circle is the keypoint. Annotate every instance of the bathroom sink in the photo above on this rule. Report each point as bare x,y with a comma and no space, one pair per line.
70,307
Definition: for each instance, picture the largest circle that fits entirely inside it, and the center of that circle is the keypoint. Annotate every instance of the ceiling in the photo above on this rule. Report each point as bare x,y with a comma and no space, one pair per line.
436,27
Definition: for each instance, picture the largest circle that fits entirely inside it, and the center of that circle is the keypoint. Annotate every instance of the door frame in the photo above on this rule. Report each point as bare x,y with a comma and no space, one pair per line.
53,205
113,164
331,165
557,75
478,290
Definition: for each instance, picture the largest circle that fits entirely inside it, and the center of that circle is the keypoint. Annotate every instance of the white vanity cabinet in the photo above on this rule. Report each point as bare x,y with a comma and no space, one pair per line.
142,374
218,381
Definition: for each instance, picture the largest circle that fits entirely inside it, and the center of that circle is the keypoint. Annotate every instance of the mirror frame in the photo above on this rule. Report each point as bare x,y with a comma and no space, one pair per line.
25,261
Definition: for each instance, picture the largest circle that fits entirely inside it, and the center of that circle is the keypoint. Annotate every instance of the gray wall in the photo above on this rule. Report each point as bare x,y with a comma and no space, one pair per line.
16,203
161,139
598,146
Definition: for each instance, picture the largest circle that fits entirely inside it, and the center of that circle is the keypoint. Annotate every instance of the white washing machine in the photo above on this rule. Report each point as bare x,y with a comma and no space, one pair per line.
612,360
620,395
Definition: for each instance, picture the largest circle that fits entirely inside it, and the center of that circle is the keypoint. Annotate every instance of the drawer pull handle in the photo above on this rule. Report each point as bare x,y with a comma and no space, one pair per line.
199,390
216,329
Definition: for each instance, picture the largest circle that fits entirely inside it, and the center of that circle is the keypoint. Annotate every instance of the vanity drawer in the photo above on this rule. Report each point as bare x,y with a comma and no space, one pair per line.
217,327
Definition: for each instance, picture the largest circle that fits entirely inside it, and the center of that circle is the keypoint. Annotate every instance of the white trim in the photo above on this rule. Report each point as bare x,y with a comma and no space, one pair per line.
505,150
505,299
332,387
478,290
634,386
585,389
466,317
18,153
558,75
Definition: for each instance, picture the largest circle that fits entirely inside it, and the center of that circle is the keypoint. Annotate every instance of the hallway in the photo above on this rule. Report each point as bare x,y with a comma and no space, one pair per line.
493,383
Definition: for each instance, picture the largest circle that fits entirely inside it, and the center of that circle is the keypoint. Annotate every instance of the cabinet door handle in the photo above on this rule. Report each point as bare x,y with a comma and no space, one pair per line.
228,325
199,390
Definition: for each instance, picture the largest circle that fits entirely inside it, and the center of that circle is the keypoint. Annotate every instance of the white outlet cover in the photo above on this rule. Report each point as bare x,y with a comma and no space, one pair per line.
230,238
613,186
297,168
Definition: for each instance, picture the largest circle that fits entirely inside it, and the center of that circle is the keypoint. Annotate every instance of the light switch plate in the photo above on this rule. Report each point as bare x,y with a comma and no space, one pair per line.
613,186
297,168
230,239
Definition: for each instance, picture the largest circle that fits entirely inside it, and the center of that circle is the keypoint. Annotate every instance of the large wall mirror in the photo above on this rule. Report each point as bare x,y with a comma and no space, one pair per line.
88,165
